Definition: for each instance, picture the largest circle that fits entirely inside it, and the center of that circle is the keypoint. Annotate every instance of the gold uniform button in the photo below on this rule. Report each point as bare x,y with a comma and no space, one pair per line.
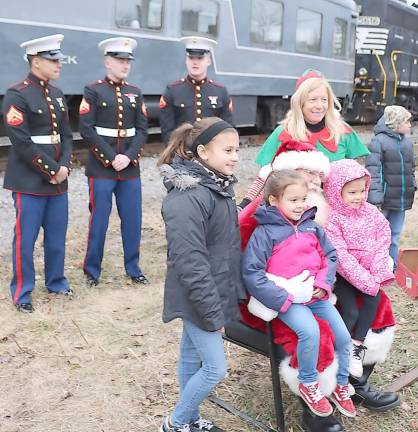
120,115
193,81
104,104
39,111
198,95
46,91
39,160
53,115
120,108
120,123
100,81
117,89
101,155
41,83
53,172
199,111
198,119
48,99
55,124
46,166
119,94
96,149
182,105
111,82
107,161
25,82
120,100
54,133
197,87
133,105
52,107
198,103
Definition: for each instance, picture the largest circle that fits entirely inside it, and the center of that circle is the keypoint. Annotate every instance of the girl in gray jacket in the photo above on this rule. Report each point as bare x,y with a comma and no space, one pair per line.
203,285
391,165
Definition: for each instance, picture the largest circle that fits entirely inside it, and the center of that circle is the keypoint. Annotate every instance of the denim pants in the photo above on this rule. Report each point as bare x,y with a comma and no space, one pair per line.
300,319
396,220
202,365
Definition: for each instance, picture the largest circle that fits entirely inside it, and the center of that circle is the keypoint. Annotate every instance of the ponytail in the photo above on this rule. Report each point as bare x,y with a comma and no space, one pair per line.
179,144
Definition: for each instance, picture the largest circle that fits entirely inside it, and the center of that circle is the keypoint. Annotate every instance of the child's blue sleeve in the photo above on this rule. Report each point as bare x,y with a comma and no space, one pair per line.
253,266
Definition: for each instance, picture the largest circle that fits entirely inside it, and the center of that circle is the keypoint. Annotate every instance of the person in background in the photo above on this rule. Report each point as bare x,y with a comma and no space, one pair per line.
391,164
194,97
113,122
314,117
203,285
38,166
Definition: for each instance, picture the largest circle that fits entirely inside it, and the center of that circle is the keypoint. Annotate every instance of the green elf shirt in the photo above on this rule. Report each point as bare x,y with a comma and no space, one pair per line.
349,146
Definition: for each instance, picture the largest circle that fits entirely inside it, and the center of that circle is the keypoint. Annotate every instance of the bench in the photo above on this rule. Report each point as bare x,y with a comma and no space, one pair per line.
258,342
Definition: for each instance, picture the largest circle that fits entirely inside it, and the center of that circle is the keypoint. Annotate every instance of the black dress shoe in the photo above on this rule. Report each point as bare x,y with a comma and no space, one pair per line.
140,280
91,281
313,423
370,397
24,307
67,292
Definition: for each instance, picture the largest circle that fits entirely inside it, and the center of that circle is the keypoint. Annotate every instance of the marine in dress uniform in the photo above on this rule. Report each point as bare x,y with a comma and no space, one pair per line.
113,121
36,118
194,97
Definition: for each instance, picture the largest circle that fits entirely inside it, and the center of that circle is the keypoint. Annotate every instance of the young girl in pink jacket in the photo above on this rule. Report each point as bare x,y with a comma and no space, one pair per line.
361,236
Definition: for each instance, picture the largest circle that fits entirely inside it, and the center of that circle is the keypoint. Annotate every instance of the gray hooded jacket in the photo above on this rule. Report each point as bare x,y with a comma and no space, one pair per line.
391,165
203,281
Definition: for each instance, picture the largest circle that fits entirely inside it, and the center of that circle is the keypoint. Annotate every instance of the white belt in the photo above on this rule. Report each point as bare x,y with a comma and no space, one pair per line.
116,132
46,139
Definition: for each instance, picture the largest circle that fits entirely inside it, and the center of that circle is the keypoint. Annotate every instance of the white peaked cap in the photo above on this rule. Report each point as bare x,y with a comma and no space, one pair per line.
120,47
197,45
48,46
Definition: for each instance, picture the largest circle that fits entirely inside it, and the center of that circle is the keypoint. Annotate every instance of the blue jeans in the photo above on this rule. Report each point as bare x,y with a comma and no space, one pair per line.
300,319
396,220
202,365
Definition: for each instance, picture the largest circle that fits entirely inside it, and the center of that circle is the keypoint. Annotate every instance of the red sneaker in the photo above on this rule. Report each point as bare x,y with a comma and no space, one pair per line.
342,400
316,401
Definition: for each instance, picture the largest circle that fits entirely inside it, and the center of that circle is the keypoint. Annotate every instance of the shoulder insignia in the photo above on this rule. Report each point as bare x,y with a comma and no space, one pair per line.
163,103
14,116
216,84
144,109
84,107
96,82
180,81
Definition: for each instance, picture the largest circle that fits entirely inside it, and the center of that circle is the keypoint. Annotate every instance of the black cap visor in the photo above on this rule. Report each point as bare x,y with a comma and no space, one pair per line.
195,52
51,55
121,55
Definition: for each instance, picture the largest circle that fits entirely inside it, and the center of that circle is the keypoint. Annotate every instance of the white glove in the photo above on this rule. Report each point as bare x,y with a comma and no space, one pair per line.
300,286
259,310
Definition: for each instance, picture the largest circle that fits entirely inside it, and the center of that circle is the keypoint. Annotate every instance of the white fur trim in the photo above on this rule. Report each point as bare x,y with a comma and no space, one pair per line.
310,160
332,299
261,311
378,345
265,171
327,379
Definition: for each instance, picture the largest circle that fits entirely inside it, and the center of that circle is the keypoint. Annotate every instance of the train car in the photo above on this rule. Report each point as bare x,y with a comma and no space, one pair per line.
263,46
386,70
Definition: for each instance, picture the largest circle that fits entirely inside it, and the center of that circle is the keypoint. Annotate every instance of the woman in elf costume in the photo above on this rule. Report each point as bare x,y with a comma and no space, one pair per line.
314,117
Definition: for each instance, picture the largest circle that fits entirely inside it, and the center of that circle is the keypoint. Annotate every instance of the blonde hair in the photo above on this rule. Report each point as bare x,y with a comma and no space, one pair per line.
294,122
182,138
278,181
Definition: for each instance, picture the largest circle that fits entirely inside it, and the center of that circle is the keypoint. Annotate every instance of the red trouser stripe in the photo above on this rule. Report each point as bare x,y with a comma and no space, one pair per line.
91,203
18,247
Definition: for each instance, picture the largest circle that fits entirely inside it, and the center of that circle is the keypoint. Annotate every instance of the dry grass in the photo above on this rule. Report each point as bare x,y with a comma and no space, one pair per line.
105,362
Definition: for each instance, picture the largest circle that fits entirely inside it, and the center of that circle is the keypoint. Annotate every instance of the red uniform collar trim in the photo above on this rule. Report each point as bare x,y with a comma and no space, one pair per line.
195,81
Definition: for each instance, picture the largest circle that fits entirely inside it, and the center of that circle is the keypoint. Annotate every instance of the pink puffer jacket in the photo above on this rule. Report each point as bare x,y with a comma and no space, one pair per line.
361,236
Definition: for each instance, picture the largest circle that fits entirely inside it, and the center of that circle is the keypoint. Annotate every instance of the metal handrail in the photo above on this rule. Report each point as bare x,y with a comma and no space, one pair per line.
384,75
392,60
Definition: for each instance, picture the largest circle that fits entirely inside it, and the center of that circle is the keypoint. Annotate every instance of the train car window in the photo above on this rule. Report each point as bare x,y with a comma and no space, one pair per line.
308,31
340,38
266,23
139,14
200,16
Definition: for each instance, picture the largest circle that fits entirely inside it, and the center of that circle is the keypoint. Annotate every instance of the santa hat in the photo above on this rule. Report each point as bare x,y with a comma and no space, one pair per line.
309,73
293,154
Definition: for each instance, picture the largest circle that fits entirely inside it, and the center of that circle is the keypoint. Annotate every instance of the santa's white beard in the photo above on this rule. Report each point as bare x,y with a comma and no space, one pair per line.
317,199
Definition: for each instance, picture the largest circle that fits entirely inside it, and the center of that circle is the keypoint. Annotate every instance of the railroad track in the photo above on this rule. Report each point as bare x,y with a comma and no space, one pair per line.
155,146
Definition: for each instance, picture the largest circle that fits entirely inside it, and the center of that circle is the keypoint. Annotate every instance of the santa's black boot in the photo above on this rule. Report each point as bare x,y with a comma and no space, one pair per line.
313,423
370,397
